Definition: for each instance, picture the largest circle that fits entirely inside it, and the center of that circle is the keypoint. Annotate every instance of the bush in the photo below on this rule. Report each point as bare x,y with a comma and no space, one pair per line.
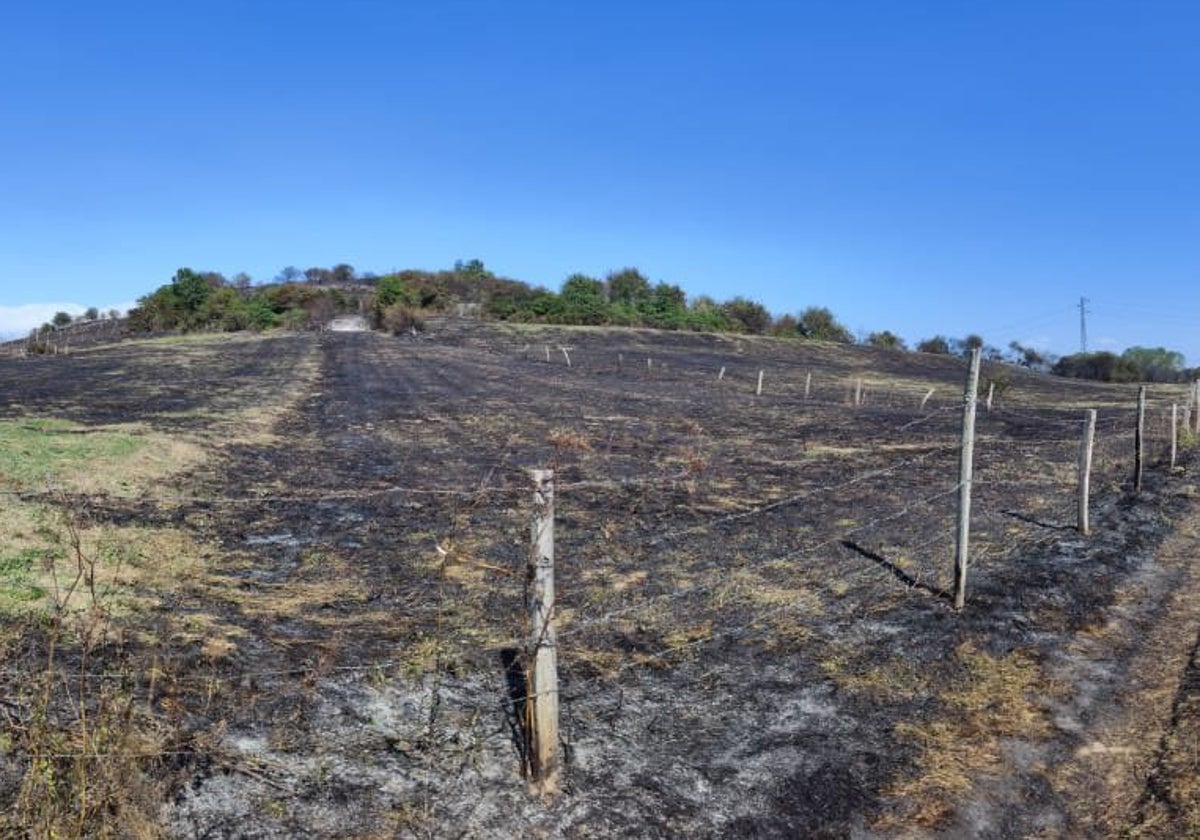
398,319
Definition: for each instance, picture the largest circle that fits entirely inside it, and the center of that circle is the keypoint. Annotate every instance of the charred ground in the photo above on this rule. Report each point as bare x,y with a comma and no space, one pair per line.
754,634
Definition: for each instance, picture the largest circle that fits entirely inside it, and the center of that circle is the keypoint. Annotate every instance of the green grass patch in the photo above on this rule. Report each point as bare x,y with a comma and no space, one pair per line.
20,580
33,450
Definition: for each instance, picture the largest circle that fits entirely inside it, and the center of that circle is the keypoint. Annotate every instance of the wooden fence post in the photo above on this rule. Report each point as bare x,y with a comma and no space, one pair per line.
1139,439
1174,434
966,466
758,390
858,385
991,393
1086,446
541,704
807,384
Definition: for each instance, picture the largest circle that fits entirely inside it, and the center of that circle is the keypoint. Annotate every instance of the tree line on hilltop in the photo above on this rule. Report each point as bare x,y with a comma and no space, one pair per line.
398,301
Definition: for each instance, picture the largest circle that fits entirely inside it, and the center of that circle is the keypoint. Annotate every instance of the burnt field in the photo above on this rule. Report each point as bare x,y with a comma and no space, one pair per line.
275,587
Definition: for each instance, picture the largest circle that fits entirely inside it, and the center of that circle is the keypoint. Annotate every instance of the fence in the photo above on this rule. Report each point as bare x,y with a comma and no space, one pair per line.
631,569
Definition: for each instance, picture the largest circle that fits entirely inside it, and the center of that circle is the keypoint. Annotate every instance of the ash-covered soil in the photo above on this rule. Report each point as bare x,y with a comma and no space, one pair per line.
755,636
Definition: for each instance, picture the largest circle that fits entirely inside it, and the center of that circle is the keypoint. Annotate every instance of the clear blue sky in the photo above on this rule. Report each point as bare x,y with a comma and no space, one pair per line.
924,167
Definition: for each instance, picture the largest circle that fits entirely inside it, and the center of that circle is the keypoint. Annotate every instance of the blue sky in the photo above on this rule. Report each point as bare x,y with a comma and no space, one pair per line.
923,167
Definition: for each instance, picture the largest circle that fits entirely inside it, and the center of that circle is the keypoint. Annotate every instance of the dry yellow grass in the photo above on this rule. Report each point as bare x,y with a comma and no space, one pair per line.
990,700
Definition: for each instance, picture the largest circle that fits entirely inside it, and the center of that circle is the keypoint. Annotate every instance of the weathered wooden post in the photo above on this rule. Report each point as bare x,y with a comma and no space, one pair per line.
649,364
807,384
758,390
858,386
620,362
541,703
1196,402
1174,434
547,354
566,355
991,393
966,466
1139,439
721,375
925,398
1086,446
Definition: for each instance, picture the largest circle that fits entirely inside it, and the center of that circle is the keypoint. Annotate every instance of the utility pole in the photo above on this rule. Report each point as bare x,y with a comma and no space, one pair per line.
1083,311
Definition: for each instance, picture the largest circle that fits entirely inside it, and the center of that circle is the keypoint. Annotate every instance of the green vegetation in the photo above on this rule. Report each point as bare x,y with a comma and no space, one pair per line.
33,452
400,300
1137,364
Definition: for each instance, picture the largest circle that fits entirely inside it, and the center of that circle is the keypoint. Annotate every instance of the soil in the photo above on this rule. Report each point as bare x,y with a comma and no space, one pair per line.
755,632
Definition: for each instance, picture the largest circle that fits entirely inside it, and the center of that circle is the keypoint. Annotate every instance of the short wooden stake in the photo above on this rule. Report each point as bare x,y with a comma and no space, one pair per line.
721,375
541,702
1086,445
547,353
858,385
991,393
807,384
758,390
649,364
966,466
1174,434
1139,439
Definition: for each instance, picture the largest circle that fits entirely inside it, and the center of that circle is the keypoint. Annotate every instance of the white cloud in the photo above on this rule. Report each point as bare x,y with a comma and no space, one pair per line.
17,321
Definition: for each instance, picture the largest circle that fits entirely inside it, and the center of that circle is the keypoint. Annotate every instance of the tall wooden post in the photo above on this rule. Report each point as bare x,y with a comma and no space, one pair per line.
1086,445
991,393
542,699
1174,434
1139,439
966,467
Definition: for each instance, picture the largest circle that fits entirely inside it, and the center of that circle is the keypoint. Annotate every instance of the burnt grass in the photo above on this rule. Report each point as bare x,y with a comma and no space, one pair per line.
755,633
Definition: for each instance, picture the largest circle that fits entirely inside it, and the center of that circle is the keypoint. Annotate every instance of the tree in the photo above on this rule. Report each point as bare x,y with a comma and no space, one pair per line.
964,346
342,274
886,340
627,287
92,314
317,276
61,319
1028,356
747,315
819,324
242,281
1102,366
1154,364
288,274
938,345
584,301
